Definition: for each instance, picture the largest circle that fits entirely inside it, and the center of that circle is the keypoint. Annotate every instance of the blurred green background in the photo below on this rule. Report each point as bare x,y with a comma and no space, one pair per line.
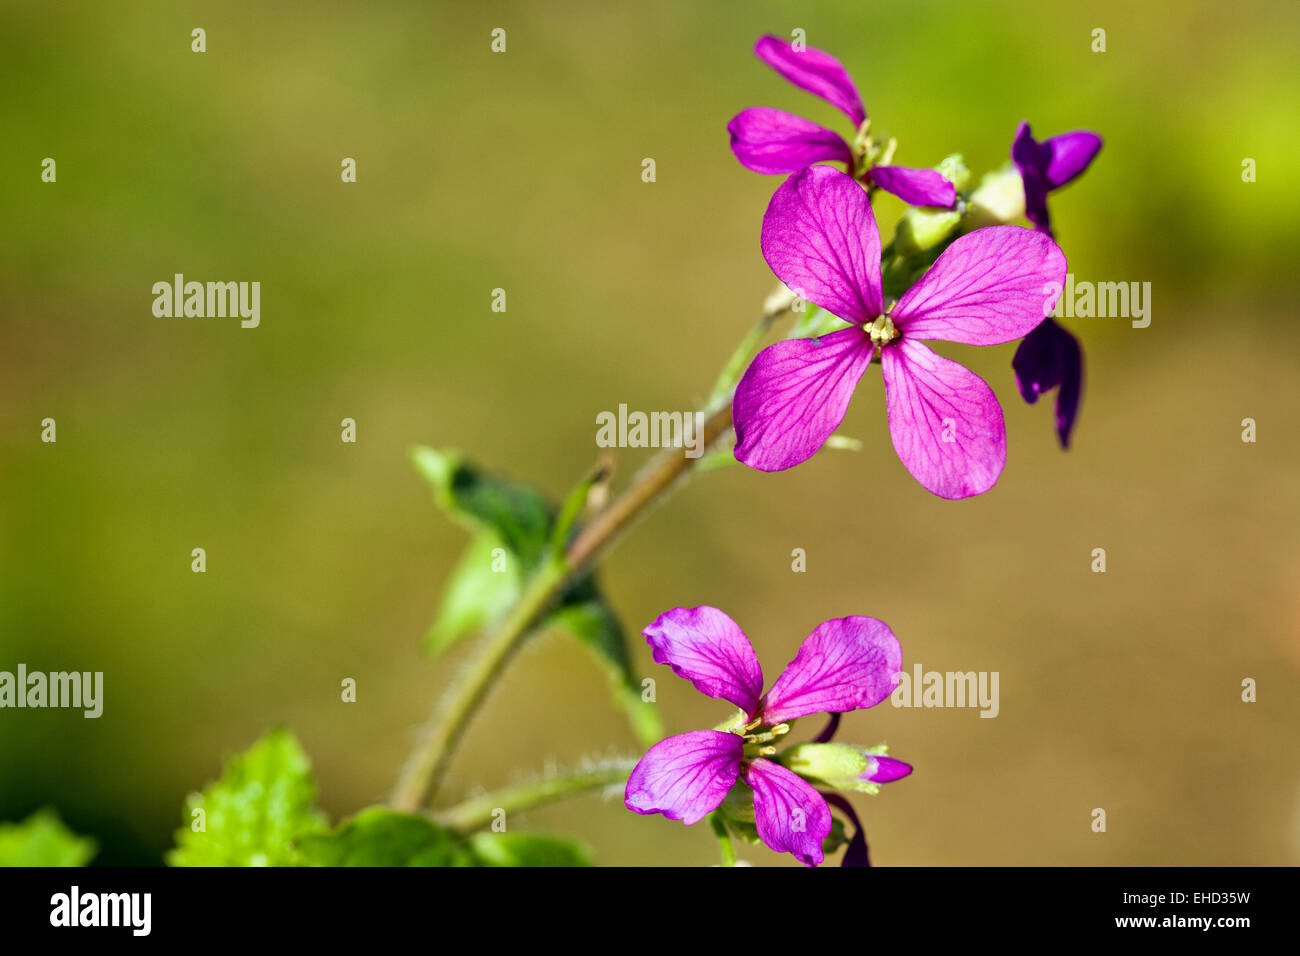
522,171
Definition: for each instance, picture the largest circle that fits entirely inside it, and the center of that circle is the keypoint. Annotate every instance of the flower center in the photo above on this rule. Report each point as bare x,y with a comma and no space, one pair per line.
758,741
882,331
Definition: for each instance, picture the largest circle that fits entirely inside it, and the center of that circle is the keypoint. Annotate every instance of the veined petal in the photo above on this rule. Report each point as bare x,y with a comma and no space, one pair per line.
772,141
816,72
1069,155
1031,158
1049,357
945,421
710,650
685,777
794,395
885,770
820,238
991,286
849,663
791,816
916,187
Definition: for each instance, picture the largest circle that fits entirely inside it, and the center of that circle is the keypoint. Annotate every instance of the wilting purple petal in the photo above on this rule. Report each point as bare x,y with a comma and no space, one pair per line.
1050,356
856,854
794,395
710,650
945,421
817,72
791,816
820,238
772,141
849,663
885,770
991,286
1031,158
828,732
916,187
685,777
1069,155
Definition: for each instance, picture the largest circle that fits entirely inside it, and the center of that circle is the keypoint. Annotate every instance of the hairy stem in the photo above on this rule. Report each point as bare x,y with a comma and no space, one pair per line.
478,812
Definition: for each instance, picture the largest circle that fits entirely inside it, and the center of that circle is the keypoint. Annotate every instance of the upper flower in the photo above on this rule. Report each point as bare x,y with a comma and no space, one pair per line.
845,664
767,140
988,287
1050,165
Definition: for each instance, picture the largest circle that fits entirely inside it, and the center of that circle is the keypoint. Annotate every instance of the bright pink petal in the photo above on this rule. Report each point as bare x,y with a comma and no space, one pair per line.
816,72
916,187
945,421
885,770
771,141
991,286
685,777
791,816
1071,154
849,663
794,395
820,238
710,650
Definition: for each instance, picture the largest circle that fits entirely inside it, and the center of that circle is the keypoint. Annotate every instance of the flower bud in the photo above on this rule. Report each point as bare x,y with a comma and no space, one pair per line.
999,199
843,766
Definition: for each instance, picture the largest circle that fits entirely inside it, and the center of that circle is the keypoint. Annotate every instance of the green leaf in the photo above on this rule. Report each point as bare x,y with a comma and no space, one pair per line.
528,849
382,837
43,840
598,629
252,815
476,593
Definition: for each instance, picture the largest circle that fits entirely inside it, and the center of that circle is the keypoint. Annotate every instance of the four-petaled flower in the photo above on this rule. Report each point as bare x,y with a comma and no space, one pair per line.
989,287
845,664
767,140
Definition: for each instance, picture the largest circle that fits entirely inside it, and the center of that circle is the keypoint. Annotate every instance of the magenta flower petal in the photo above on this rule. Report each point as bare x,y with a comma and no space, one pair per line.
710,650
849,663
816,72
1069,155
1049,357
991,286
886,770
791,816
685,777
771,141
916,187
794,395
820,238
945,421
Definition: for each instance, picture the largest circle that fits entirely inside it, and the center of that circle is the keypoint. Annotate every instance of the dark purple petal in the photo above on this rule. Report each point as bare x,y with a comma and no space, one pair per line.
1032,158
885,770
916,187
856,854
685,777
1049,357
791,816
820,238
849,663
816,72
991,286
710,650
1070,154
945,421
771,141
828,732
794,395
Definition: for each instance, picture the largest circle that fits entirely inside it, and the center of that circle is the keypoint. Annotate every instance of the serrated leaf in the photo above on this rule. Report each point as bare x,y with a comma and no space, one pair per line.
43,840
476,592
252,815
528,849
382,837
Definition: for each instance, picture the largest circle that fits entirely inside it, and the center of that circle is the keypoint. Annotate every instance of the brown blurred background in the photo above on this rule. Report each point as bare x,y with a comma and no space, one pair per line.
522,171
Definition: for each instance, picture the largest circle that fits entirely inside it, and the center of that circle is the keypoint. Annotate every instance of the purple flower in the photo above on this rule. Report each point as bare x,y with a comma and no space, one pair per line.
846,664
1050,356
988,287
772,141
1050,165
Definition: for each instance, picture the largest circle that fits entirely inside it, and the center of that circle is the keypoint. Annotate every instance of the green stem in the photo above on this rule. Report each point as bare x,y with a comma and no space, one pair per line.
724,840
478,812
